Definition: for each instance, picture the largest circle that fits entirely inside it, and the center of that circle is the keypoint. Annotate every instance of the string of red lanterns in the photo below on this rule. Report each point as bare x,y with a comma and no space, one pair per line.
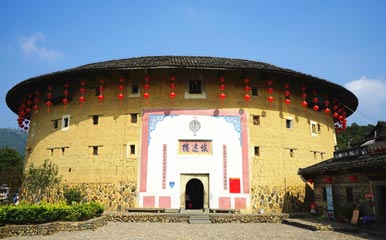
172,86
101,89
304,96
36,101
247,89
66,92
287,94
270,92
49,96
146,87
82,90
121,87
222,88
315,100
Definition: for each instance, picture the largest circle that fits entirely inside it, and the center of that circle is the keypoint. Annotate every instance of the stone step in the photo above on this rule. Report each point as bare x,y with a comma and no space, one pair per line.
199,219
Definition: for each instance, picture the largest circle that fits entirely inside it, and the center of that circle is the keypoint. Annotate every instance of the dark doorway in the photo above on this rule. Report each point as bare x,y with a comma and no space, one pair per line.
383,203
194,198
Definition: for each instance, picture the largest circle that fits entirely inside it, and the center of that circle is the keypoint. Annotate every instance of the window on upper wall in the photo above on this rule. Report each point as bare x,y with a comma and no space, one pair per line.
288,123
55,123
314,128
256,120
95,150
65,122
63,150
292,152
132,149
195,87
134,88
255,91
95,119
257,151
134,117
349,195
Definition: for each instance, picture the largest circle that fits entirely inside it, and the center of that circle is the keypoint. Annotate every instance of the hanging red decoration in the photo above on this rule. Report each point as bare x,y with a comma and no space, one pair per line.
304,96
328,179
222,88
82,90
49,96
172,86
101,89
327,110
146,86
270,91
247,89
121,87
287,94
36,101
335,114
65,93
310,180
353,178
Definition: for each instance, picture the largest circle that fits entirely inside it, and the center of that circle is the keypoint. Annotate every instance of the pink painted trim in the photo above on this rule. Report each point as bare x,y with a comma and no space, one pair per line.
164,164
245,156
224,202
149,201
165,202
240,203
144,154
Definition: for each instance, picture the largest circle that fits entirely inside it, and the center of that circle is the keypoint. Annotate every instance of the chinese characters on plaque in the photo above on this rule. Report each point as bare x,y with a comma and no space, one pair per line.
203,147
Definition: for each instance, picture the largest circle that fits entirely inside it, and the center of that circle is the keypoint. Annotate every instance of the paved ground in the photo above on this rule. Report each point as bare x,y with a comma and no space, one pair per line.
120,230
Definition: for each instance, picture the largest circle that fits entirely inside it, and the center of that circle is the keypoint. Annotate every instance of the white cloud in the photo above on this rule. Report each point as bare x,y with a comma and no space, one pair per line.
31,47
371,95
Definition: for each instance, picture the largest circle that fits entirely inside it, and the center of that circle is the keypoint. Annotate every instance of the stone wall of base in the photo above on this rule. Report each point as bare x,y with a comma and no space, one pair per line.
278,199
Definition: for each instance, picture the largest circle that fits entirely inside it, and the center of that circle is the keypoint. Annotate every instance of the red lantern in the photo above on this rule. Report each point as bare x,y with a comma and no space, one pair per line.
172,95
270,90
270,99
353,178
101,98
82,99
335,114
327,110
101,89
247,97
222,96
49,96
304,104
287,101
310,180
328,179
222,87
65,101
121,97
316,108
146,95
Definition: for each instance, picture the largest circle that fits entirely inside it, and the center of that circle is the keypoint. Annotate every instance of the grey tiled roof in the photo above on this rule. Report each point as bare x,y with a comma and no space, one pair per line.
348,163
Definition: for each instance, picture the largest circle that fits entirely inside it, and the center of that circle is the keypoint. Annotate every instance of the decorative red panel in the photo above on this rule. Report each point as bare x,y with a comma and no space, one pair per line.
234,185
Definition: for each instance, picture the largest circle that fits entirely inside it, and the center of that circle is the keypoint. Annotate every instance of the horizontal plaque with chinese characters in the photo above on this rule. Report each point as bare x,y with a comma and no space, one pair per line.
203,147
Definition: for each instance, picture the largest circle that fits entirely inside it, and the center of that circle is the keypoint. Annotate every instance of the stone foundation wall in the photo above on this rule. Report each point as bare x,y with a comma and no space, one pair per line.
278,199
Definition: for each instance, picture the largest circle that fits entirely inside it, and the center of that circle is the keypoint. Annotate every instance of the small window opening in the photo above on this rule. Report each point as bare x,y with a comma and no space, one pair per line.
95,119
319,128
51,152
195,87
134,89
97,91
315,156
63,149
55,123
256,120
255,92
288,123
257,151
292,152
349,195
133,118
132,149
95,150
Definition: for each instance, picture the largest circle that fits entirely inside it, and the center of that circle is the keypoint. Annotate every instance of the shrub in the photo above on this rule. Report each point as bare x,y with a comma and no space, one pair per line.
73,195
43,213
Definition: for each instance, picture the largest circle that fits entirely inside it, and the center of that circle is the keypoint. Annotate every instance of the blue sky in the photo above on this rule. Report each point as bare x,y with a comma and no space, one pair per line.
341,41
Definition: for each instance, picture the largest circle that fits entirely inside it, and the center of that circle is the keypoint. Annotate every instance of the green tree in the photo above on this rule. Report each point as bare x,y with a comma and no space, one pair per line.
353,136
38,181
11,167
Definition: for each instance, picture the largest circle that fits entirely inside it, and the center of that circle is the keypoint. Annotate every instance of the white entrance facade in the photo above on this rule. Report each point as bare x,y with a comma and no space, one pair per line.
209,145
